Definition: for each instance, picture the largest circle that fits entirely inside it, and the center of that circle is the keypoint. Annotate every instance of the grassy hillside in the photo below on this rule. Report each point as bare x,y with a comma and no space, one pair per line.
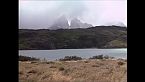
94,37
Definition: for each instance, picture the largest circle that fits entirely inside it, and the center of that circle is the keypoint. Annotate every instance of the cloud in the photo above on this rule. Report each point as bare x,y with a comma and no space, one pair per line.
41,14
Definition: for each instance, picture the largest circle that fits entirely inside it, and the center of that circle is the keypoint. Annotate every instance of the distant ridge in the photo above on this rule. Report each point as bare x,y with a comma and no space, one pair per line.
116,24
93,37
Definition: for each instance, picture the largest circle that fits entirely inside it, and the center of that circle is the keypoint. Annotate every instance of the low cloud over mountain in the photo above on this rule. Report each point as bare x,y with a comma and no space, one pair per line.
62,23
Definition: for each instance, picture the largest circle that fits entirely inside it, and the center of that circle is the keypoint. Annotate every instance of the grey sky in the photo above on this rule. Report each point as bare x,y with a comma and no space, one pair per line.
42,13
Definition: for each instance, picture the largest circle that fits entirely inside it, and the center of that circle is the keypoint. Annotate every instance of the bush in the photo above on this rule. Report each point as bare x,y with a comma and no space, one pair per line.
61,69
106,57
50,62
97,57
20,72
120,63
52,67
69,58
86,61
101,57
25,58
95,65
32,71
34,62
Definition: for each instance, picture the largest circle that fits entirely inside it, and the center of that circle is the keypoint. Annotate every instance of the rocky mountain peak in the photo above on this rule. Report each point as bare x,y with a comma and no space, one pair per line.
62,23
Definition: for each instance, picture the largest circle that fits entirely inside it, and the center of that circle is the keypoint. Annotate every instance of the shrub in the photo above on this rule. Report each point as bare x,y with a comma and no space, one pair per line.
26,58
32,71
48,62
95,65
52,66
111,57
61,69
69,58
106,57
34,62
86,61
97,57
101,57
20,72
120,63
66,72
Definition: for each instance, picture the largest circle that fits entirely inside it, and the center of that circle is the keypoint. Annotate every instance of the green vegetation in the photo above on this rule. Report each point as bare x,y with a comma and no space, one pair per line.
69,58
116,43
101,57
25,58
97,57
94,37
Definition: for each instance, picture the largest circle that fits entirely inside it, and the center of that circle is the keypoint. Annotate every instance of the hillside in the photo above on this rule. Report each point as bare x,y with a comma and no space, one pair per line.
94,37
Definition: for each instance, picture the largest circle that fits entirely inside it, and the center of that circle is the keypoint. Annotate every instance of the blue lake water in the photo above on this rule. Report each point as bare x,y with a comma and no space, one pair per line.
84,53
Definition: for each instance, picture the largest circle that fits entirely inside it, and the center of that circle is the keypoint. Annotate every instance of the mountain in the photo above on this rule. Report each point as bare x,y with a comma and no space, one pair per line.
94,37
76,23
60,23
115,24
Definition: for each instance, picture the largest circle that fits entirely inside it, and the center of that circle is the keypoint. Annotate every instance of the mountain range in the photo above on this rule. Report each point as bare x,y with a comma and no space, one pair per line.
62,23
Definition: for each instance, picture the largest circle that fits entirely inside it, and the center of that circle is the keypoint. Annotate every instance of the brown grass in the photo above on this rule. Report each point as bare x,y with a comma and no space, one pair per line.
74,71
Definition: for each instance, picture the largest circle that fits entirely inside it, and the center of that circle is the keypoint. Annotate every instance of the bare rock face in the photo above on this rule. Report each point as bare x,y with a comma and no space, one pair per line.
60,23
76,23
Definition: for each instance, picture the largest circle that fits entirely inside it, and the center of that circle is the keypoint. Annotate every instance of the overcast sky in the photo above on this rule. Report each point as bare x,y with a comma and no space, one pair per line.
42,13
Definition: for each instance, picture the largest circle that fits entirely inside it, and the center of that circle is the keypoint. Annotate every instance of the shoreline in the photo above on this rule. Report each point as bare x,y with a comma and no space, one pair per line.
89,58
72,48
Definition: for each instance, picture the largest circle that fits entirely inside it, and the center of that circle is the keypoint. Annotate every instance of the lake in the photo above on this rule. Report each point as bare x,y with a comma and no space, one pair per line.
84,53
